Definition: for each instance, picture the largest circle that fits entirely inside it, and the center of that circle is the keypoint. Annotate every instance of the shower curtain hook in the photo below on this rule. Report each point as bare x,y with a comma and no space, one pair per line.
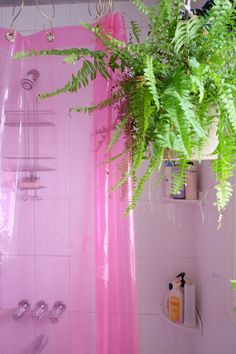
110,5
100,8
50,34
10,36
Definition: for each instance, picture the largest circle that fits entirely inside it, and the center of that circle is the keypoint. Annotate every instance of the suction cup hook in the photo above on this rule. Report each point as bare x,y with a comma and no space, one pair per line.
10,36
49,33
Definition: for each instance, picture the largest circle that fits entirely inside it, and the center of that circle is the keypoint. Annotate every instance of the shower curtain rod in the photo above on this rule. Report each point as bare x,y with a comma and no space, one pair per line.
7,3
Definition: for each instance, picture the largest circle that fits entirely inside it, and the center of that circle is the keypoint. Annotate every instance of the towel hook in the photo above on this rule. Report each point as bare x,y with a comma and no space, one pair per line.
10,36
50,34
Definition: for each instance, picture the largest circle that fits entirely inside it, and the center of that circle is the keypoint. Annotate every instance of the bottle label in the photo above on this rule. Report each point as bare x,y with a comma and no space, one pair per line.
174,311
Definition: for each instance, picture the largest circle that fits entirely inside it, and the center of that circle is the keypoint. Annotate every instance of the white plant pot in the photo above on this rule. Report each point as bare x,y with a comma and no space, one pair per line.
208,148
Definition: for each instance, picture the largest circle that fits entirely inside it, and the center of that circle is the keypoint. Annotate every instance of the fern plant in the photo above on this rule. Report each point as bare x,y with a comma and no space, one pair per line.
180,79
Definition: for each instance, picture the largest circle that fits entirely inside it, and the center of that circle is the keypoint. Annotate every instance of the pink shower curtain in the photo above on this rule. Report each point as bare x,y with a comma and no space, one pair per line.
115,244
114,272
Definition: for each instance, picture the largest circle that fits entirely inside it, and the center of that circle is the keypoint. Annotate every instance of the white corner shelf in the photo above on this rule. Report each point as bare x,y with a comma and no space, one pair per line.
184,201
198,328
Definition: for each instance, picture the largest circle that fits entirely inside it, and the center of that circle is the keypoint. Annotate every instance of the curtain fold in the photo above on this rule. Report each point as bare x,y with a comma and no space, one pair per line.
116,307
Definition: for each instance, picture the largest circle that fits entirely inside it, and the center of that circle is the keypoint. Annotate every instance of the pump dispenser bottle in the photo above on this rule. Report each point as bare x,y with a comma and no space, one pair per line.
182,280
176,303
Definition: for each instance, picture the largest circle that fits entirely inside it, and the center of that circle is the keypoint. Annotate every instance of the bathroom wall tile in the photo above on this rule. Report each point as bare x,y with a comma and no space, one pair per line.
222,331
157,336
80,13
203,297
155,229
61,18
26,20
58,334
155,277
203,344
1,336
129,10
139,283
81,225
52,227
0,293
212,258
17,336
186,342
82,284
23,234
187,265
81,125
185,233
58,114
81,171
83,333
57,180
17,273
52,279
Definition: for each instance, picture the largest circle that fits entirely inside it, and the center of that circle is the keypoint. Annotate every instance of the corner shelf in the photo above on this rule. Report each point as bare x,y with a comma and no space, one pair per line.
198,328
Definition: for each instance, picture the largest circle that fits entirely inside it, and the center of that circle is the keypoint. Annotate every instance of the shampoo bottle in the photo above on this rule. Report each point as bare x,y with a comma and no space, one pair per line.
176,303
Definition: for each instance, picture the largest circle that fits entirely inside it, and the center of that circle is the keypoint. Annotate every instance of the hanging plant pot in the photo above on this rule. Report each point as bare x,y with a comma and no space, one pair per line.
207,152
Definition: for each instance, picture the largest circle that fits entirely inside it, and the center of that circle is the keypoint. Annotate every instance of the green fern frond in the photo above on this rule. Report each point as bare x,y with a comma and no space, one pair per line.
136,31
150,80
116,96
198,87
186,31
87,72
154,164
119,129
141,6
228,105
142,109
179,176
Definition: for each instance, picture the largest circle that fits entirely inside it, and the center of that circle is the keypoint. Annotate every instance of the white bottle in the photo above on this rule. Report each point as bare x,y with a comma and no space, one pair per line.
176,303
168,179
189,304
191,183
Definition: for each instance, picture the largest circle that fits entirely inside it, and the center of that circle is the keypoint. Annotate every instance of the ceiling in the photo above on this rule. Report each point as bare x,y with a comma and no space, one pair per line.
4,3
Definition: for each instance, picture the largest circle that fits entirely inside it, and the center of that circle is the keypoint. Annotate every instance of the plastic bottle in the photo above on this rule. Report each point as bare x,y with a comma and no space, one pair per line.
176,303
182,280
191,185
189,304
168,179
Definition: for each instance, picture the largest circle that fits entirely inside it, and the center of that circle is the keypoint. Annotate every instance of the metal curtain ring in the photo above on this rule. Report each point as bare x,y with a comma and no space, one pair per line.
10,36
